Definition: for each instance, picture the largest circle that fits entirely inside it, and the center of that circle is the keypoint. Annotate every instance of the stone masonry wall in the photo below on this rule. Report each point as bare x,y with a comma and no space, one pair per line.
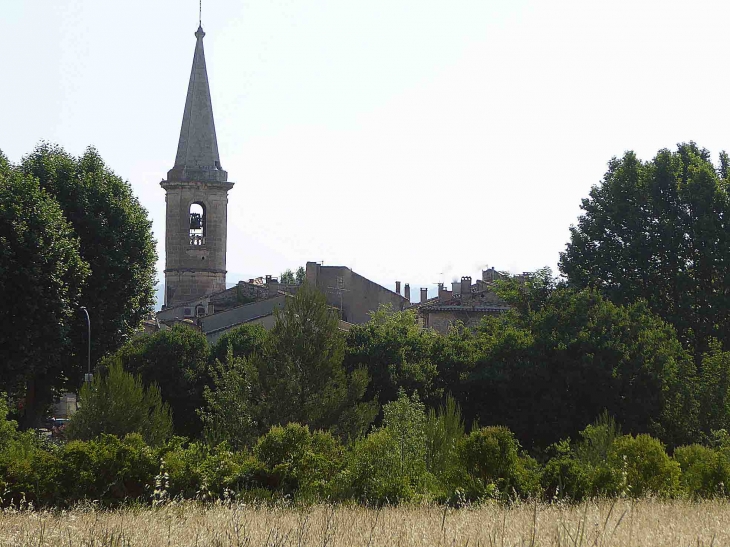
359,295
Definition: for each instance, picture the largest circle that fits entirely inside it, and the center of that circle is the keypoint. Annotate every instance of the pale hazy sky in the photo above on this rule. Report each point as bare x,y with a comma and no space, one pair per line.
408,139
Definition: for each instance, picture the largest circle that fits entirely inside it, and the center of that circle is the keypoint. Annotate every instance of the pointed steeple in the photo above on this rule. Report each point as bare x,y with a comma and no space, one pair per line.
197,151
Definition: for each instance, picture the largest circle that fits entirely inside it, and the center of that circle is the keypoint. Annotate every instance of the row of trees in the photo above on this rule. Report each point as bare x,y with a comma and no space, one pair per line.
555,362
72,234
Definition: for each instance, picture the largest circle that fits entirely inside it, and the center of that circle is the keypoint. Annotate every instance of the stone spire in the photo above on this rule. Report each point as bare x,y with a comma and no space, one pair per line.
197,151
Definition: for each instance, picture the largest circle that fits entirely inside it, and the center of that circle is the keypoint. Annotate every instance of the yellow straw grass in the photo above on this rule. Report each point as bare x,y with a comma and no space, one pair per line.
602,523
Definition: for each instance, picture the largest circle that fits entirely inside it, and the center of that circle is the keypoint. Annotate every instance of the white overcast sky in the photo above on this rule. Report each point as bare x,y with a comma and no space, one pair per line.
415,140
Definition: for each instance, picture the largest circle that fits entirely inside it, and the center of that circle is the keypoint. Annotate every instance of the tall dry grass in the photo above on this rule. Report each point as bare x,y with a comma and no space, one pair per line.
621,523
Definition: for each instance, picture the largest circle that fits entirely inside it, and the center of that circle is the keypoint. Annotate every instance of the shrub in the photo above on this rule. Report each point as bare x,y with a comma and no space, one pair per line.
647,468
372,472
107,469
8,428
491,456
443,431
596,440
197,471
117,403
300,462
29,471
705,472
405,420
565,476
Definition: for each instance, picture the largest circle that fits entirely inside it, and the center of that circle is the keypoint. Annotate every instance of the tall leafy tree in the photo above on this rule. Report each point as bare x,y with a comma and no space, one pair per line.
396,352
177,361
547,373
115,240
298,377
244,341
658,230
287,277
41,278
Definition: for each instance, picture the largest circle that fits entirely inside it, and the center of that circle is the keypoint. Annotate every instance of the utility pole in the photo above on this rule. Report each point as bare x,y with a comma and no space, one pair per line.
88,376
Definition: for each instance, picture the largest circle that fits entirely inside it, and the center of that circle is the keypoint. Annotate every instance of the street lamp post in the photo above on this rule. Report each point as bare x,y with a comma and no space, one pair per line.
88,376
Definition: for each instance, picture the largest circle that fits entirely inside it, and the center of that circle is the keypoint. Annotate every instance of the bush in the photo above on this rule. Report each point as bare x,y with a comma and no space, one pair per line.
490,455
300,462
565,476
405,420
117,403
8,428
647,468
705,472
107,469
443,431
201,472
30,472
373,471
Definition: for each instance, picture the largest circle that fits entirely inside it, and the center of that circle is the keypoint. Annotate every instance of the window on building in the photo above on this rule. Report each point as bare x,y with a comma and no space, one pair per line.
197,224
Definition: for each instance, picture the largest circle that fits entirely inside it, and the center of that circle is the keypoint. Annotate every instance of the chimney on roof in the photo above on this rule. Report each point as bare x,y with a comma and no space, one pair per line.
489,275
424,294
407,292
397,287
465,285
455,289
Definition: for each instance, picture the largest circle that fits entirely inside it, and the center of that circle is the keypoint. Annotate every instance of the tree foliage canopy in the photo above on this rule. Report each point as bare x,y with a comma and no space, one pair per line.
177,361
298,377
658,230
41,279
547,373
117,403
115,238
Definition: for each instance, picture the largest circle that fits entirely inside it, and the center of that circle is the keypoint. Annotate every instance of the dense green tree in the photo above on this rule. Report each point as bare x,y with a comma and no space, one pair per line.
300,276
714,389
658,230
298,377
41,278
396,352
243,341
117,403
116,241
405,420
287,277
177,361
546,373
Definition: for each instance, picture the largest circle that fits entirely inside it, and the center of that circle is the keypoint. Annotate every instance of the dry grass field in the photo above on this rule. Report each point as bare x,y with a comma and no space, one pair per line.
623,523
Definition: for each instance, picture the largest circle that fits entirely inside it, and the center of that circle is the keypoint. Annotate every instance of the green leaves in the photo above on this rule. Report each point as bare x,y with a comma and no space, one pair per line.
295,375
118,403
658,231
115,240
41,279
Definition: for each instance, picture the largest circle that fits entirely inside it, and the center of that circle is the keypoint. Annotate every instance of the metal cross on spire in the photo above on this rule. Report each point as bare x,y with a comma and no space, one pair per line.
200,13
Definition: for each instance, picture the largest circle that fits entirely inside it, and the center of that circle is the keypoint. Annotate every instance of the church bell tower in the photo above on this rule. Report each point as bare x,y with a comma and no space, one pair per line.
196,197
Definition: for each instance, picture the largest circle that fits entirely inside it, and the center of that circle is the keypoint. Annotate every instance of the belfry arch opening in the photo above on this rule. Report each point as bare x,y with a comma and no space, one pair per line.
197,223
